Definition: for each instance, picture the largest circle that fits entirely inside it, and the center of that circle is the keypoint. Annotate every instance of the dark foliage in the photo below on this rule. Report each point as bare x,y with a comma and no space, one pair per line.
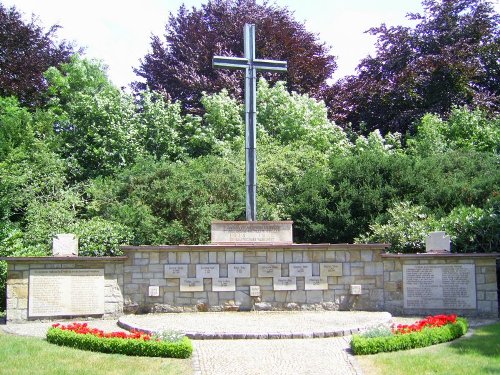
449,58
26,52
180,66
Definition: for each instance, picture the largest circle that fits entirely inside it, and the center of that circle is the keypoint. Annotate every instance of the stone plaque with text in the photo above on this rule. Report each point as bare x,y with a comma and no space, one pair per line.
285,283
251,232
439,286
207,271
269,270
316,283
223,284
300,269
330,269
191,284
176,271
238,270
66,292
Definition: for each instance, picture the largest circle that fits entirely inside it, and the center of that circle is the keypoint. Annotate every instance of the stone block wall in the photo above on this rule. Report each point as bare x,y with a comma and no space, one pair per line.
355,264
483,270
18,273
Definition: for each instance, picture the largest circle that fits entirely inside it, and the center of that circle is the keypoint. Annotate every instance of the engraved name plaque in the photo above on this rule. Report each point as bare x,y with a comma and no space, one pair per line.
300,269
238,270
285,283
223,284
269,270
62,292
252,232
330,269
316,283
191,284
207,271
439,286
176,271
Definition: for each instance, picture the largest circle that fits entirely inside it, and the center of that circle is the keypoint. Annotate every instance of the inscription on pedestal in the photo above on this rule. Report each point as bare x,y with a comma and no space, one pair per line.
62,292
330,269
252,232
223,284
439,286
238,270
207,271
176,271
300,269
285,283
191,284
269,270
316,283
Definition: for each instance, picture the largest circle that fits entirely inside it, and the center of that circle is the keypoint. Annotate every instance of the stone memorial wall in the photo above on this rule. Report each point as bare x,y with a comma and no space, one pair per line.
244,277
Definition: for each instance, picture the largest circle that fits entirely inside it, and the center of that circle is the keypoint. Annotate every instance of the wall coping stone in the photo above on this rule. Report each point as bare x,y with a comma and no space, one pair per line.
441,255
51,259
256,246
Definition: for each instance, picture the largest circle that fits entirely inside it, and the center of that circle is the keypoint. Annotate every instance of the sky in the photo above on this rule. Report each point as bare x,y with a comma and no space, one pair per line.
118,32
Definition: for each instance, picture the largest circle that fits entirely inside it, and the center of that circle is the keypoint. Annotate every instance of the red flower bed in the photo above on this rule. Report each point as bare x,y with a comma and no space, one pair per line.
84,329
430,321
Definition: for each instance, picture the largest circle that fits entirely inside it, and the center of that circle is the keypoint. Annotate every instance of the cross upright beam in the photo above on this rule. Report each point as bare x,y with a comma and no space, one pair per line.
251,65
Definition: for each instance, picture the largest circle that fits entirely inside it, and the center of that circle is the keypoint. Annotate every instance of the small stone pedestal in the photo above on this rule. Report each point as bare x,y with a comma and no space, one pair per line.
252,232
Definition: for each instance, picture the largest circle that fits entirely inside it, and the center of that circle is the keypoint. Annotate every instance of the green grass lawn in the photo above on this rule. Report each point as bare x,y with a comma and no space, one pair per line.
478,354
29,355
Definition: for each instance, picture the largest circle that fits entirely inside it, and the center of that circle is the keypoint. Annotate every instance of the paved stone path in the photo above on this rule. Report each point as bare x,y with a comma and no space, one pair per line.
251,356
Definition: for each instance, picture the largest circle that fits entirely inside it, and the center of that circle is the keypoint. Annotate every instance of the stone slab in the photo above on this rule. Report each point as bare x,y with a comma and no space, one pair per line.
284,283
223,284
300,269
439,286
176,271
65,244
269,270
316,283
238,270
191,284
330,269
66,292
437,241
275,232
207,271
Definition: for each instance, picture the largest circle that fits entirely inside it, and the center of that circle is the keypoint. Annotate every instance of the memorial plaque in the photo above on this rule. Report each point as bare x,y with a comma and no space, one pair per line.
300,269
176,271
316,283
191,284
269,270
207,271
330,269
252,232
238,270
61,292
65,244
284,283
439,286
223,284
154,291
254,291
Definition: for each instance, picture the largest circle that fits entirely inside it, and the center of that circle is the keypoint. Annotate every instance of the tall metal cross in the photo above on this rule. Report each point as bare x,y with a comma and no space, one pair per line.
250,64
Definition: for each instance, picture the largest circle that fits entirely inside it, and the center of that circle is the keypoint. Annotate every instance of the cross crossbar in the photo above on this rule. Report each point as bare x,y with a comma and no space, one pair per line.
251,65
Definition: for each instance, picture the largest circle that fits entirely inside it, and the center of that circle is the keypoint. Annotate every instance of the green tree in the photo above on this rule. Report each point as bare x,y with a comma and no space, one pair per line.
95,121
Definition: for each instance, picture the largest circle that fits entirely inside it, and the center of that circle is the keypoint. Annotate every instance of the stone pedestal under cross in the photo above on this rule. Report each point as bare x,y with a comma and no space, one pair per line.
251,65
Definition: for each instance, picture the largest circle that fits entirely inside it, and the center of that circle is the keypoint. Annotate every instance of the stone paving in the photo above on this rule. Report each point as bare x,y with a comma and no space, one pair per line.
251,356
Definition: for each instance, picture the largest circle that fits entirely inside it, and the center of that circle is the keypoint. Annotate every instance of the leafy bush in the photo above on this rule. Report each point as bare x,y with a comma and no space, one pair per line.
116,345
420,339
406,229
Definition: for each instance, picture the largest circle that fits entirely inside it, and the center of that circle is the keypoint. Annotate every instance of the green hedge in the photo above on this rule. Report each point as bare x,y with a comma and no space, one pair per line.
151,348
426,337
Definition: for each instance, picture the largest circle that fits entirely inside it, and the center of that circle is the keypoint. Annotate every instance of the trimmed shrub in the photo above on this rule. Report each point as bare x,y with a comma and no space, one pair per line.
420,339
133,347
